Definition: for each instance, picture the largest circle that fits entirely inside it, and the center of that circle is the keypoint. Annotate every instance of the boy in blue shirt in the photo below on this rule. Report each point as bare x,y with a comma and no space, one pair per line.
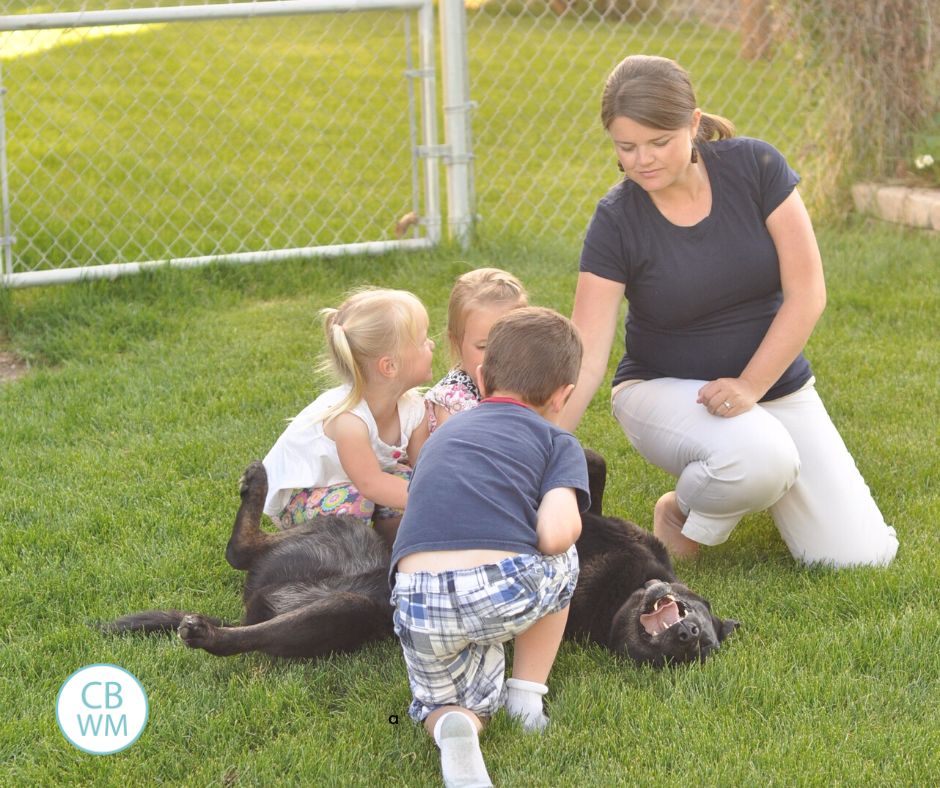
485,551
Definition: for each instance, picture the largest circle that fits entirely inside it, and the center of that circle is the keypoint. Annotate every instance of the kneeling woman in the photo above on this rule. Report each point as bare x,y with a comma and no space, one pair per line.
710,243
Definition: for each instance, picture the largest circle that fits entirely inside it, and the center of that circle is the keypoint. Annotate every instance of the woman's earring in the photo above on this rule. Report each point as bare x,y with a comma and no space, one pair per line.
620,166
694,155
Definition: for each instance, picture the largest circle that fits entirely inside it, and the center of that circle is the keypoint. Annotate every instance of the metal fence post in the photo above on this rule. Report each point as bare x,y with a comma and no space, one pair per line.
6,228
457,107
432,195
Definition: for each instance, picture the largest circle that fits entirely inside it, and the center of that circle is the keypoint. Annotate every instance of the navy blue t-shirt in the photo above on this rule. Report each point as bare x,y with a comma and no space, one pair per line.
480,479
701,298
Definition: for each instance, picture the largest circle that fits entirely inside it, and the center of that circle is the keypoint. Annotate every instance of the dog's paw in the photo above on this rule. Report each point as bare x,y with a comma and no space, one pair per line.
255,478
195,631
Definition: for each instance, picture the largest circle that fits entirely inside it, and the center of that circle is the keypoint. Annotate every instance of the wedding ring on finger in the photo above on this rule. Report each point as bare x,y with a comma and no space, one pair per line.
727,404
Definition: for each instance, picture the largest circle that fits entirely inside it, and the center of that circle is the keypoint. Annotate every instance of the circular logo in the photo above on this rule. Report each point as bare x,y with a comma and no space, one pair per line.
101,709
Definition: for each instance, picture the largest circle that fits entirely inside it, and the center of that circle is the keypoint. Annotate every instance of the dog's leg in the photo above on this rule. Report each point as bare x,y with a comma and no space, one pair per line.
248,541
342,622
149,622
387,528
597,479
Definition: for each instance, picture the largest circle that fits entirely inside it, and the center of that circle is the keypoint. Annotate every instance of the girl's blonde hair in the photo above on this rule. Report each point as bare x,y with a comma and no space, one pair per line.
480,287
369,324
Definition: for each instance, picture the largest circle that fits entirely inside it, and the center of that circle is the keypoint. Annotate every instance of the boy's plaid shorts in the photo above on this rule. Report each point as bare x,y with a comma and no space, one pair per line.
452,625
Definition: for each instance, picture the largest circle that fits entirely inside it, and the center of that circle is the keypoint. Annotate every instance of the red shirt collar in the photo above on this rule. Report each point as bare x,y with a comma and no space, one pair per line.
508,401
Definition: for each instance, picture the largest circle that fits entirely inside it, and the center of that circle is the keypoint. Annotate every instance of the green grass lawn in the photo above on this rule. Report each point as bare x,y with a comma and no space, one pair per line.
120,453
121,450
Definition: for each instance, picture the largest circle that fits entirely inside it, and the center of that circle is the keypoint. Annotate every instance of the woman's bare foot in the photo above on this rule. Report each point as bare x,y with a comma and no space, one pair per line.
667,527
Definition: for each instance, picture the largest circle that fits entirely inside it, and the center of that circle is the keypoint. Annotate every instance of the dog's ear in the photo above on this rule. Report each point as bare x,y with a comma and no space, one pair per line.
597,479
724,627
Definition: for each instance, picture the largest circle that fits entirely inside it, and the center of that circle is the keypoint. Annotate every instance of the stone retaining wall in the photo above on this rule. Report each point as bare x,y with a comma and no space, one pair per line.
901,204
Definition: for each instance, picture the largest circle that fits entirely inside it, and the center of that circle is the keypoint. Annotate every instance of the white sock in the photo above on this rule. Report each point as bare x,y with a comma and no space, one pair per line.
461,760
524,703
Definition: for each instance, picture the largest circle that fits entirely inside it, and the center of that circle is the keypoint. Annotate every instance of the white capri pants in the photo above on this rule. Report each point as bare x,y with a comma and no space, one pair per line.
784,455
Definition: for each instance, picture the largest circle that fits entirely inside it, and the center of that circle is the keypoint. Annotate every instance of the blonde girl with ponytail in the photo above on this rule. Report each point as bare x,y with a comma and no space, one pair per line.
351,450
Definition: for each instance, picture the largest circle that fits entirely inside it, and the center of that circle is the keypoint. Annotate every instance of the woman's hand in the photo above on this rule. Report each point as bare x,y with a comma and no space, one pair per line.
804,298
727,397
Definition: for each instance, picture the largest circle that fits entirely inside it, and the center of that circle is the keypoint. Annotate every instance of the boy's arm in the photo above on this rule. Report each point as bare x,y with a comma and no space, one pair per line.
558,521
358,459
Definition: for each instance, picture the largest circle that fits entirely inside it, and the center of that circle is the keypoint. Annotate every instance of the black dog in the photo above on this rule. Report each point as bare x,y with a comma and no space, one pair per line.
628,599
322,588
310,591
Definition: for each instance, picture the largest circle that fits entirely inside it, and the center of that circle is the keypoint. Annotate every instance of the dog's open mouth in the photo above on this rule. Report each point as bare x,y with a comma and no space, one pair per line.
665,613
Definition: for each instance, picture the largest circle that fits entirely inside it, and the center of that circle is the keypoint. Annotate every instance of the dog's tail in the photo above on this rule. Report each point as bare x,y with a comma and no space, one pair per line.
150,622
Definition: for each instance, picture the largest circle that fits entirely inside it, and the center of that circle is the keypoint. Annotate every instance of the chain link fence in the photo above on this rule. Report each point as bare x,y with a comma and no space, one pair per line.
149,142
178,140
780,71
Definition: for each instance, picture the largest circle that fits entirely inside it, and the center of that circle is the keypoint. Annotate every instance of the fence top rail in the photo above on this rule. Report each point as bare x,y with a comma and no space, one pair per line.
193,13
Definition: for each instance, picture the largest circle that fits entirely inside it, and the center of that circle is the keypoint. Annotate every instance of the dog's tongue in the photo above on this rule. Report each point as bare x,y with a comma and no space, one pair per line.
664,616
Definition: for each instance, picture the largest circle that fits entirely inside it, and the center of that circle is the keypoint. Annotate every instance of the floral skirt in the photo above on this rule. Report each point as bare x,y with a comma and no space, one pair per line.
342,499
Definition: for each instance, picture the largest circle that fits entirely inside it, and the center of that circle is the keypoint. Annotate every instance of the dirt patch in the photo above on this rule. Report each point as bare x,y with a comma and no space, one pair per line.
12,367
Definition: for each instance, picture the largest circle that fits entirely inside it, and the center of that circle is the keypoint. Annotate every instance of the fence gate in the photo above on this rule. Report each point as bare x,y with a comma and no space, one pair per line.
238,132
